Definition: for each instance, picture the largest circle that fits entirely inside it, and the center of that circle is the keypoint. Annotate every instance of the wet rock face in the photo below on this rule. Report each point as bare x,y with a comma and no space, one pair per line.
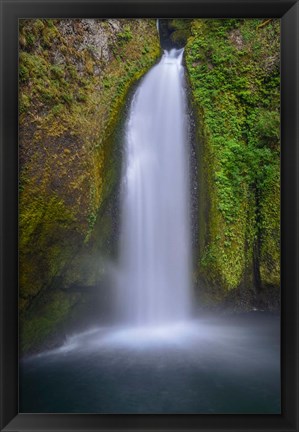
236,38
98,36
90,33
75,75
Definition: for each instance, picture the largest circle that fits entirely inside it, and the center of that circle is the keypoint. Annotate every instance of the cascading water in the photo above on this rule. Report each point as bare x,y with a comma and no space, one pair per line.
154,285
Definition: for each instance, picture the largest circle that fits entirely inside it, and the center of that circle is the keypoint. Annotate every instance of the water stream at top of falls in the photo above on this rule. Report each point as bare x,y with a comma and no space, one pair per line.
155,252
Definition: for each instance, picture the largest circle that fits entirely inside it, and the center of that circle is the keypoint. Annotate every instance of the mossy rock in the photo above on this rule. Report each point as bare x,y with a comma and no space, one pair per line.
74,79
233,70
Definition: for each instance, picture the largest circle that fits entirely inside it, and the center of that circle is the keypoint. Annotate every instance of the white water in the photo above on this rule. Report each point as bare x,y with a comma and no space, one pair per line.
154,285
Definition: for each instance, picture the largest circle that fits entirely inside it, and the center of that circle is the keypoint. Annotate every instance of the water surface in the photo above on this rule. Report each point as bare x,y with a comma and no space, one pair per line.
224,365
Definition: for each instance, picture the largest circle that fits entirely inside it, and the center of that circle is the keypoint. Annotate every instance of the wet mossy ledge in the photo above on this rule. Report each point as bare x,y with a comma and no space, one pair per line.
233,67
74,77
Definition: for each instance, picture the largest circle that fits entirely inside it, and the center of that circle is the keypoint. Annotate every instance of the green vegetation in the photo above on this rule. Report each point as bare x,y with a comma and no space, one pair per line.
180,31
74,77
126,35
42,321
233,68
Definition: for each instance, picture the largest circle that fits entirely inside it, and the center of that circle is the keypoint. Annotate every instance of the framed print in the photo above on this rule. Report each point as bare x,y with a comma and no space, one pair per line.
149,215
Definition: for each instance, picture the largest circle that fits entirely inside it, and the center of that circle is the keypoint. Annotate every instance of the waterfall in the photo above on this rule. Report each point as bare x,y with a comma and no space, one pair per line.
154,286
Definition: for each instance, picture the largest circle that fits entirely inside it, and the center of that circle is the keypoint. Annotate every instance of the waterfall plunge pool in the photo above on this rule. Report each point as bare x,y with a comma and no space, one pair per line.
214,365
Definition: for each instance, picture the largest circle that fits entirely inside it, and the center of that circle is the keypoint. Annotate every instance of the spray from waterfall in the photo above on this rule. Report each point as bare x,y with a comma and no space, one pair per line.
154,286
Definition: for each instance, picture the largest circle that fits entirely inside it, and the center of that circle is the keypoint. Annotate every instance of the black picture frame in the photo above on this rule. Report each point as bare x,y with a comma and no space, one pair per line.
11,11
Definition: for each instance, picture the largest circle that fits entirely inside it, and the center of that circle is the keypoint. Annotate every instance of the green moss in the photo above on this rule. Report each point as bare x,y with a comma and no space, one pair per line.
70,102
24,103
181,29
50,34
233,68
45,223
126,35
45,319
41,210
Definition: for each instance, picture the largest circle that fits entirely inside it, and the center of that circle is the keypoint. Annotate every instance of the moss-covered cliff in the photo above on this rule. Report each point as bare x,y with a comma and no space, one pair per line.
233,69
74,77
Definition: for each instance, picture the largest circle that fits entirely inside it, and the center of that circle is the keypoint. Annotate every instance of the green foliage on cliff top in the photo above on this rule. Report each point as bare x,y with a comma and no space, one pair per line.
233,67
